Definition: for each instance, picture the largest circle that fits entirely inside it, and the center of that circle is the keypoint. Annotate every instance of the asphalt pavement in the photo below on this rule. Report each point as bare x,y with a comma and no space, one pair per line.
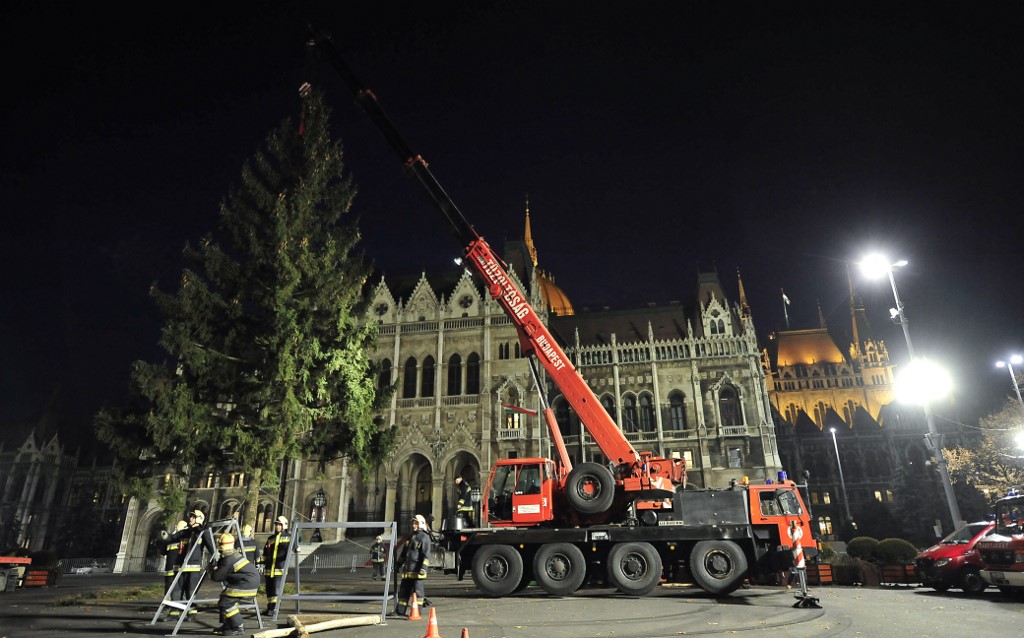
669,611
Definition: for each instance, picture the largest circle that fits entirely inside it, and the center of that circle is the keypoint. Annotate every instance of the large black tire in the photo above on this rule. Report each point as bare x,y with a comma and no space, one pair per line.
634,568
971,582
497,570
590,488
718,566
559,568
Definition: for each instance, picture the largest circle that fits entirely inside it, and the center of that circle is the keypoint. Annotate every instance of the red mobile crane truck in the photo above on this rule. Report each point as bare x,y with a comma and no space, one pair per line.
633,520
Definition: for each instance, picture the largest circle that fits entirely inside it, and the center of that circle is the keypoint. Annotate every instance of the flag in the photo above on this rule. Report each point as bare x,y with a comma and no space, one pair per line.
785,299
515,408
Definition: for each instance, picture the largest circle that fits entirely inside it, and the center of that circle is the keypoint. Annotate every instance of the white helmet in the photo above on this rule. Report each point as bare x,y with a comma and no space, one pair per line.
180,526
199,516
421,521
247,531
283,521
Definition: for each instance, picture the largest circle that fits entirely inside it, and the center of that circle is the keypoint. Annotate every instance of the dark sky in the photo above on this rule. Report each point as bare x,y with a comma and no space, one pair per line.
653,139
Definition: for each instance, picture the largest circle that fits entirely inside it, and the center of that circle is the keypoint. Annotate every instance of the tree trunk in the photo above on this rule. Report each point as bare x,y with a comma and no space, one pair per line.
252,497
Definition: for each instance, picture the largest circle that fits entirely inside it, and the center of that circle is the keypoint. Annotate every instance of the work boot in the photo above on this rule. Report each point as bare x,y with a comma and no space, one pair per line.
229,631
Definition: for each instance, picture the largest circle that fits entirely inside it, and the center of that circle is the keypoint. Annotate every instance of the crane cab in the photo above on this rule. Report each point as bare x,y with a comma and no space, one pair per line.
520,492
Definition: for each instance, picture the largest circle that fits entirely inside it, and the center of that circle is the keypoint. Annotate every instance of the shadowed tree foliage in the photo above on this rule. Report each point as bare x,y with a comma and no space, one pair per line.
267,353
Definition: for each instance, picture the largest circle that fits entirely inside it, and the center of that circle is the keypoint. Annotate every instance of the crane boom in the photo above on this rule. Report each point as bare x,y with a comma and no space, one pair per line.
636,471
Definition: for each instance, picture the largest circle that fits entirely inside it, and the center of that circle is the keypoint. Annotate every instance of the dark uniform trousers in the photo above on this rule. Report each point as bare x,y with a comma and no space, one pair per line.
171,567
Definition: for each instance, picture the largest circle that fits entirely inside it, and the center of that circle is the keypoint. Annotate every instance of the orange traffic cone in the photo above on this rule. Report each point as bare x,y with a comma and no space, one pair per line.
414,609
432,624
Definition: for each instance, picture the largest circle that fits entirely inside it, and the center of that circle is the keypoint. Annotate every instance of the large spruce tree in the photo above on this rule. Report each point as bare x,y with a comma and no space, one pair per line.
267,353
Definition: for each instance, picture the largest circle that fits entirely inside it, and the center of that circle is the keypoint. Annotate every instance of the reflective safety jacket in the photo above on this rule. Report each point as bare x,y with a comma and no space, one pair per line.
465,497
238,573
417,555
275,551
171,557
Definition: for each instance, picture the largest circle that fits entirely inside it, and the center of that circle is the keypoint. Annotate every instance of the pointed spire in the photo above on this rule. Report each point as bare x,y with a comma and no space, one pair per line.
821,317
744,306
528,235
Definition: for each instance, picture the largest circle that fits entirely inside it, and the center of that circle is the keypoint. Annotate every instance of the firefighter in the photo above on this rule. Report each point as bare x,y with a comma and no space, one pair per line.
249,545
414,567
241,581
464,501
172,556
192,559
377,558
274,554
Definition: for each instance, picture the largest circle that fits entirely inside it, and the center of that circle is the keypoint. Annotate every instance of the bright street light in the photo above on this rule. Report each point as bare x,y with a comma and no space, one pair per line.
1013,378
877,266
921,382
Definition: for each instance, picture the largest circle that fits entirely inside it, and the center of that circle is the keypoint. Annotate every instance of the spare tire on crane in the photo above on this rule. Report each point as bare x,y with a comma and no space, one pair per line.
590,488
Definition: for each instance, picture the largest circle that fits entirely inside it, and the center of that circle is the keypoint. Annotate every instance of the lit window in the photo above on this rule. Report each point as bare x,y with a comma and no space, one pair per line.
878,495
825,525
826,498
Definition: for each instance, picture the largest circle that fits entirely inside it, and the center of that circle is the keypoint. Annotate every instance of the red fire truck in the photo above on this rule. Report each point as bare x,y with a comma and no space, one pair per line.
1002,551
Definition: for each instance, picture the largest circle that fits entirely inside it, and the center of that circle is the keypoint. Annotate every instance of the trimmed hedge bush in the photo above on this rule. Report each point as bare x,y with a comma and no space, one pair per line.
895,550
862,547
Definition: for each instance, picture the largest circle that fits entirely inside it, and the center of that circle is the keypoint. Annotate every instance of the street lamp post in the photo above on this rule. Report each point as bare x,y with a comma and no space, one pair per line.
842,481
319,502
1013,378
873,266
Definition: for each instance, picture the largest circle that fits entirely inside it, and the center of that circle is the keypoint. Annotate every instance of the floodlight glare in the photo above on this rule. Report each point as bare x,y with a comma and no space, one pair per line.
874,266
922,382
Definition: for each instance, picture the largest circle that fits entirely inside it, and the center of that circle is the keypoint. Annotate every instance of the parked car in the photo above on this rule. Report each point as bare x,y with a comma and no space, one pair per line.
954,561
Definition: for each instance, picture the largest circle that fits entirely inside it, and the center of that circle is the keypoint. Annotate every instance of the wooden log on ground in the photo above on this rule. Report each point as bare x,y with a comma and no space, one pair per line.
301,627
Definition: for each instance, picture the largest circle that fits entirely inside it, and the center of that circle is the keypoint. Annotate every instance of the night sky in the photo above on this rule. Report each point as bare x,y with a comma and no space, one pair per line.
654,140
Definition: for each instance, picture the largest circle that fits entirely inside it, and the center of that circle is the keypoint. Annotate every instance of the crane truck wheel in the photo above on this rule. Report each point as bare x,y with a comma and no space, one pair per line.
590,488
559,568
718,566
634,568
497,570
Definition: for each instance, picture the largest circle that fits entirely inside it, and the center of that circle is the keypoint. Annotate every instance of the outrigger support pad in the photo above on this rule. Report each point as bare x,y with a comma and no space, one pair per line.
809,602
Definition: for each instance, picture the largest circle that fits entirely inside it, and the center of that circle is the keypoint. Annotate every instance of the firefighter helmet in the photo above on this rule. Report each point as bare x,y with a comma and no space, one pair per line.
283,521
227,540
421,521
180,526
199,516
247,531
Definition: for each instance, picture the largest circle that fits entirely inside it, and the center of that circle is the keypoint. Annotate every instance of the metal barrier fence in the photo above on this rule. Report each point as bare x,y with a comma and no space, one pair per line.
85,565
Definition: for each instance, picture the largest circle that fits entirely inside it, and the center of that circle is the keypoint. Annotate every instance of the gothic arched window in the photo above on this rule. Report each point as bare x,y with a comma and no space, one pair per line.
409,379
427,380
609,405
729,407
454,375
473,374
676,411
646,414
630,420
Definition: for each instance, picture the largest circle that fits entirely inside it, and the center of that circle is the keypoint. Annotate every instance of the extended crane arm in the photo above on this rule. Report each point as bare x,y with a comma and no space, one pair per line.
533,334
